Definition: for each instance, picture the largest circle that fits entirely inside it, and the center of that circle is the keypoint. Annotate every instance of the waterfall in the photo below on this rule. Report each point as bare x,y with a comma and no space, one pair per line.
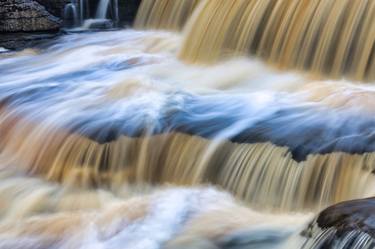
165,14
106,16
116,15
326,37
102,9
71,13
84,9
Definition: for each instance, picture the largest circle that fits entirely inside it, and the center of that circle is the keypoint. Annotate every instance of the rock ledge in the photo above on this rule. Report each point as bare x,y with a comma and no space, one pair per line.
26,16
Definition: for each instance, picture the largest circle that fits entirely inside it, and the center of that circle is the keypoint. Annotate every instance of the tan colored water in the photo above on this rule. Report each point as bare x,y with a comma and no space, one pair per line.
165,14
330,37
262,174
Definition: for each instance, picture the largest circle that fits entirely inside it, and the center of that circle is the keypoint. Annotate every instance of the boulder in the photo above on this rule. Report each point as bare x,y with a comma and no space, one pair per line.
22,40
345,225
26,16
55,7
356,215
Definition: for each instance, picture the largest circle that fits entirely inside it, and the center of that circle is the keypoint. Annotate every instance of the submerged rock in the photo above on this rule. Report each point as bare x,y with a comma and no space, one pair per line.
55,7
21,40
346,225
357,215
26,16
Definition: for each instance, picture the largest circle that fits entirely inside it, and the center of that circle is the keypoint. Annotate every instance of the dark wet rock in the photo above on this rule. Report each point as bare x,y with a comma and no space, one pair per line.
357,215
26,16
346,225
19,41
128,10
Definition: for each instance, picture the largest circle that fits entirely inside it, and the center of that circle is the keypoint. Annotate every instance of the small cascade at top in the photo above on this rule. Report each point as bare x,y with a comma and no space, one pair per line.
106,14
71,18
116,15
84,10
101,12
103,8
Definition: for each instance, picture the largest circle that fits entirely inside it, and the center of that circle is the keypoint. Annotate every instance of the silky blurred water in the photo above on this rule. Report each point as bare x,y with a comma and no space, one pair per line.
102,86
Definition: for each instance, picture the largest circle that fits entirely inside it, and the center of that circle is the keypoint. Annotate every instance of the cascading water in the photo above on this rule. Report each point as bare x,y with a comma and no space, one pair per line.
84,10
116,14
127,146
102,10
71,14
106,16
288,34
166,14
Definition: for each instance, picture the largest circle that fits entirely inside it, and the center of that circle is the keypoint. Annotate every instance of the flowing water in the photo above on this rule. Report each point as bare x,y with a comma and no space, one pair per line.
166,14
110,140
106,17
333,37
83,10
101,12
71,14
116,11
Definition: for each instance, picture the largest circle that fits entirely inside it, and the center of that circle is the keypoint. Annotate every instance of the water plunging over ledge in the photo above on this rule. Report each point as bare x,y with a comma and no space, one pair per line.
106,15
71,16
101,12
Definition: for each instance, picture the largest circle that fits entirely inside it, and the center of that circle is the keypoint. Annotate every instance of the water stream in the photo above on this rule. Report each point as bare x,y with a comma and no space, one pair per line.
102,9
116,139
